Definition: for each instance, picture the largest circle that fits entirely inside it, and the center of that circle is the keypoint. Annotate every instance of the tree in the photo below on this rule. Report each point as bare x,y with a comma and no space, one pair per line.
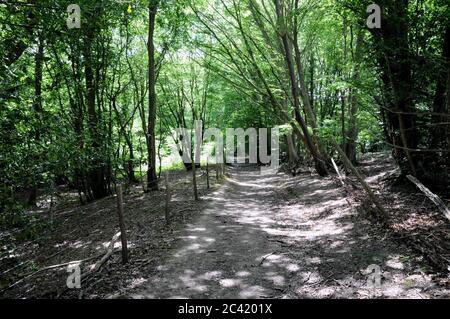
152,179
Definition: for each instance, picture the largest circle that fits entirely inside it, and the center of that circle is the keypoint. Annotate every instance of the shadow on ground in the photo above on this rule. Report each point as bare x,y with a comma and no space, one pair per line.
274,236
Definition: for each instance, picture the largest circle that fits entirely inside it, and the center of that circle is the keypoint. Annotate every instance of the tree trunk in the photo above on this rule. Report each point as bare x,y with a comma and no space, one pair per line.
194,178
130,164
393,51
96,174
292,152
440,97
152,179
319,163
343,131
352,131
38,111
307,101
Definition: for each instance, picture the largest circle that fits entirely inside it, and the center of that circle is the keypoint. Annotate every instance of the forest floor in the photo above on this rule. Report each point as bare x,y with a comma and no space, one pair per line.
250,236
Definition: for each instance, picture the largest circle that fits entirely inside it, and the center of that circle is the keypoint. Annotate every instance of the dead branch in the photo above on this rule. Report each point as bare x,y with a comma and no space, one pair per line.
337,171
95,267
433,197
108,254
361,180
34,273
265,257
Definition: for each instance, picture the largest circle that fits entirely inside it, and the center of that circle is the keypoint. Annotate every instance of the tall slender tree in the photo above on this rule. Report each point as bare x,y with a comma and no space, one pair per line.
152,178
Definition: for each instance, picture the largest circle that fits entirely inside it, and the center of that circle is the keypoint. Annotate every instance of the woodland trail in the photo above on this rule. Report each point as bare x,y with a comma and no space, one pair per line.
274,236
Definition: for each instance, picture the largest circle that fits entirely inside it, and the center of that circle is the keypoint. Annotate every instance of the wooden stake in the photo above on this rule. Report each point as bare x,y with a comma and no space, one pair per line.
123,234
166,179
433,197
194,179
361,180
217,171
207,174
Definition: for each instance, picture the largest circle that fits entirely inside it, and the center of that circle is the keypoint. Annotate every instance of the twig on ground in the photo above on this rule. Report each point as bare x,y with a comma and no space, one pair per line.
265,257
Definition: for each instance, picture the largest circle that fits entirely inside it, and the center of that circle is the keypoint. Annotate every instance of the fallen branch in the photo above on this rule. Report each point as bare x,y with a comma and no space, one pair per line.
34,273
185,210
94,268
337,171
108,254
265,257
433,197
361,180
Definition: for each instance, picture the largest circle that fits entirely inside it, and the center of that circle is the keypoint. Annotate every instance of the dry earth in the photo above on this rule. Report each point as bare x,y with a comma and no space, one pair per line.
251,236
274,236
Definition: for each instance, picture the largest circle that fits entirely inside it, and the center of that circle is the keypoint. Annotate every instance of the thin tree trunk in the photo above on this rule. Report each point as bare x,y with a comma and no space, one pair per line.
152,179
130,164
343,131
319,162
352,131
38,110
207,175
97,171
393,49
123,232
441,95
194,178
166,207
307,102
344,76
293,156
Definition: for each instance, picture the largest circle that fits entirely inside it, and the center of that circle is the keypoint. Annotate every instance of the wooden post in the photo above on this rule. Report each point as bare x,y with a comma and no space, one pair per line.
361,180
166,179
207,174
123,234
52,193
217,171
194,178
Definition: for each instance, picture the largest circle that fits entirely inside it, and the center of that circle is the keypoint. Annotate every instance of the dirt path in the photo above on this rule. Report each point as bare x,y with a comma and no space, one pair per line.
275,236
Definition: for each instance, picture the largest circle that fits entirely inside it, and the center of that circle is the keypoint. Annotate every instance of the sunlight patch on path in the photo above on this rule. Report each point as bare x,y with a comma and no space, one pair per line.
275,236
